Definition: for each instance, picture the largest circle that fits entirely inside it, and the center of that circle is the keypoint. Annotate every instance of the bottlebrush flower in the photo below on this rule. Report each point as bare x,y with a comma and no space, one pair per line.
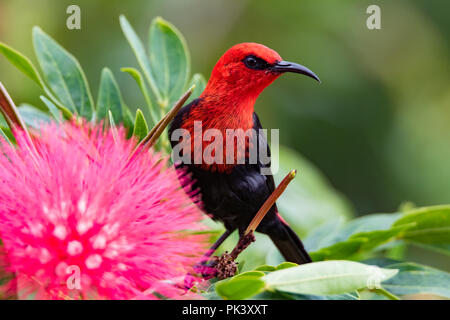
75,203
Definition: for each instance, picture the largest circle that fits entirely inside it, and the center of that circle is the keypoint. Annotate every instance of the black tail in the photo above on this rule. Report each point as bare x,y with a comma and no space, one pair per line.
290,245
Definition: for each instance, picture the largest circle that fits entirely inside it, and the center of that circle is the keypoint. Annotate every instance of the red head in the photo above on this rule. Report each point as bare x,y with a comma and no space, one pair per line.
237,79
245,70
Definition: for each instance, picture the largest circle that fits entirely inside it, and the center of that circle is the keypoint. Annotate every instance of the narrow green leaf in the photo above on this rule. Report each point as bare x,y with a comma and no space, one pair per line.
140,82
109,97
140,54
200,84
169,59
5,137
327,277
140,125
22,63
63,74
52,109
432,225
239,289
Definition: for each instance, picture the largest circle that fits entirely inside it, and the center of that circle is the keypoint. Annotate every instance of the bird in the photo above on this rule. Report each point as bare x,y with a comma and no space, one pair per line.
233,191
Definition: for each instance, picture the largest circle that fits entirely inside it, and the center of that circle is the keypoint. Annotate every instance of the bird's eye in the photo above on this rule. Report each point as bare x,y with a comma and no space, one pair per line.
255,63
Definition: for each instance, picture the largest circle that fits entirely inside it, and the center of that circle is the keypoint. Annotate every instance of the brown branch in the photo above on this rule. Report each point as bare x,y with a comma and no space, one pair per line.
270,202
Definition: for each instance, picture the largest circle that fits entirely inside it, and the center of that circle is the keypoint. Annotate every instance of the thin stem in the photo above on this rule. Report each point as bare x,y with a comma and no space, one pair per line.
386,293
270,202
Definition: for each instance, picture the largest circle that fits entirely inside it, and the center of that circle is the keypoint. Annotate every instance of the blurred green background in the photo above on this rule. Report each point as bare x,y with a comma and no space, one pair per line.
378,126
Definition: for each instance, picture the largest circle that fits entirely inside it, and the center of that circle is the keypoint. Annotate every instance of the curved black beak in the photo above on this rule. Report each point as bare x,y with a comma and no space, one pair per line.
286,66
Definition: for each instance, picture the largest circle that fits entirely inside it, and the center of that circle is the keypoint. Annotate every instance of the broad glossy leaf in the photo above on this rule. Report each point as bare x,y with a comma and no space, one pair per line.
200,83
140,126
327,277
413,278
432,225
63,74
109,97
169,59
279,295
240,288
32,116
140,54
341,250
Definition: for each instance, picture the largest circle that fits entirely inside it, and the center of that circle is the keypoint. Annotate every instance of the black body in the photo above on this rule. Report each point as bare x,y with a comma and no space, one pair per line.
234,198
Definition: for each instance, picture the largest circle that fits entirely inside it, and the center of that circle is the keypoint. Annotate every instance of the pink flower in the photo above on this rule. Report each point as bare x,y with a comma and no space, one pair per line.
78,220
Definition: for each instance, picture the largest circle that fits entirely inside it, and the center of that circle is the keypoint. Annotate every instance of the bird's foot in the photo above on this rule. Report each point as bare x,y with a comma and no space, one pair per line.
226,267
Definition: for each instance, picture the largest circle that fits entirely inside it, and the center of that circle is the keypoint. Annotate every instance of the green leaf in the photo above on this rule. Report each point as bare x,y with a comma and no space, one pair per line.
32,116
22,63
136,75
357,244
140,126
4,137
200,83
169,59
266,268
324,235
109,97
240,288
432,225
26,66
52,109
140,54
327,277
249,274
63,74
278,295
414,278
355,237
286,265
